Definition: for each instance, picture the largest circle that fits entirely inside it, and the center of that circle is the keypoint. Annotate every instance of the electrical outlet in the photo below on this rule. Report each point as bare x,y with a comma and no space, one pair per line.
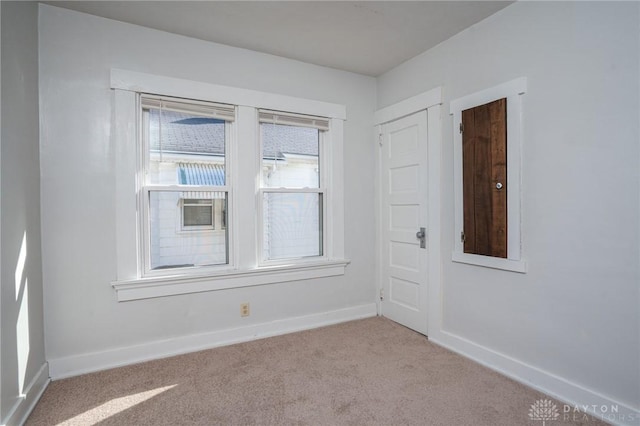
244,309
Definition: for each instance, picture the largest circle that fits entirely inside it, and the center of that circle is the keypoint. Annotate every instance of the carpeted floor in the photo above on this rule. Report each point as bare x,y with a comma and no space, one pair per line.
367,372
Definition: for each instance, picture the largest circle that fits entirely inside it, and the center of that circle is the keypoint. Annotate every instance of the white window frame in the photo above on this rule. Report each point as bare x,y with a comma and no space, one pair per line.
244,268
144,193
320,190
513,91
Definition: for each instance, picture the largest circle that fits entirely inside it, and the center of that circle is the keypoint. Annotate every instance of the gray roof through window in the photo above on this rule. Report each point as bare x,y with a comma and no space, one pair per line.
187,134
177,132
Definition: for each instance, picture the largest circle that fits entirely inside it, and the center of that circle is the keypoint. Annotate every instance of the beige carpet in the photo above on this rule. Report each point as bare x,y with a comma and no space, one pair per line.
367,372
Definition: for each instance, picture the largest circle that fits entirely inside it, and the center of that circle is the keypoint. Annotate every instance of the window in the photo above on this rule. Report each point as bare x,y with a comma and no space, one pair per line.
184,167
291,190
227,192
487,146
197,214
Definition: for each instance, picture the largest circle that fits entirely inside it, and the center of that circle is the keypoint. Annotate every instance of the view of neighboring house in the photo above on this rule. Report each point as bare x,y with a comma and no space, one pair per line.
189,228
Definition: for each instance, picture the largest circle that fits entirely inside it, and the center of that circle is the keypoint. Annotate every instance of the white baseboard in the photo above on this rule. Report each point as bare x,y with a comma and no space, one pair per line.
572,394
32,393
75,365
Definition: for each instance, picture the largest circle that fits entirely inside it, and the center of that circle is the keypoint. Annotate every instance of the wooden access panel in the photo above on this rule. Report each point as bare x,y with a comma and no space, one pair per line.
484,179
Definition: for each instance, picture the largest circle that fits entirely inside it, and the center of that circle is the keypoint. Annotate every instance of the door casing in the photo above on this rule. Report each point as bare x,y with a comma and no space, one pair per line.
431,102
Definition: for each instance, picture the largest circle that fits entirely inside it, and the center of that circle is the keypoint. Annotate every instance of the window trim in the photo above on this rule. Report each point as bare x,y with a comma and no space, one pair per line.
243,269
133,81
169,285
513,91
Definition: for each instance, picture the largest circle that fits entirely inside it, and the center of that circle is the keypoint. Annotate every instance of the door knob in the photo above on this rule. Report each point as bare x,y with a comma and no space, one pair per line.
498,185
421,235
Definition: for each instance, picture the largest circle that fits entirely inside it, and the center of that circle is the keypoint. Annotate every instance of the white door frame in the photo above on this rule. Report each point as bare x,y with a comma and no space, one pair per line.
431,102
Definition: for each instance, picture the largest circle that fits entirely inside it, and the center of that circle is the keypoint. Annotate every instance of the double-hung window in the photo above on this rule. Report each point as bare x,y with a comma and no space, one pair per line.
292,189
185,182
217,187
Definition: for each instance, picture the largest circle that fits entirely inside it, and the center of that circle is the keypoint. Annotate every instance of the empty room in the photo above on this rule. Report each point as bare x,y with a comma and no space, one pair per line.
320,213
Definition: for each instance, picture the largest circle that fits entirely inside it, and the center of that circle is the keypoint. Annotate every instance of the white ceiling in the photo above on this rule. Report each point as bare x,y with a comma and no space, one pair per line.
366,37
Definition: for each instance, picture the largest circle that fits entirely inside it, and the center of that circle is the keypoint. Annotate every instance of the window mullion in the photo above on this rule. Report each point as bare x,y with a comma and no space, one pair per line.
246,172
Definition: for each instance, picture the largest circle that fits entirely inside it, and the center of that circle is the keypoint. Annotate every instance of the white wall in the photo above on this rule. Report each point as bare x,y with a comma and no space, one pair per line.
22,355
82,316
575,313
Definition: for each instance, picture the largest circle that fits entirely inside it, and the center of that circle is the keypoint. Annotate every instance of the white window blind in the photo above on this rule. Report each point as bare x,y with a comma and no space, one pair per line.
208,109
289,119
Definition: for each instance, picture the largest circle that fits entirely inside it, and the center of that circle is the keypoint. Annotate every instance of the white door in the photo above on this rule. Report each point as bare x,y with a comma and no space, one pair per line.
404,211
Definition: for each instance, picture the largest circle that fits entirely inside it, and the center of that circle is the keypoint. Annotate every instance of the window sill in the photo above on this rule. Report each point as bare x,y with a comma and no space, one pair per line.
147,288
490,262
